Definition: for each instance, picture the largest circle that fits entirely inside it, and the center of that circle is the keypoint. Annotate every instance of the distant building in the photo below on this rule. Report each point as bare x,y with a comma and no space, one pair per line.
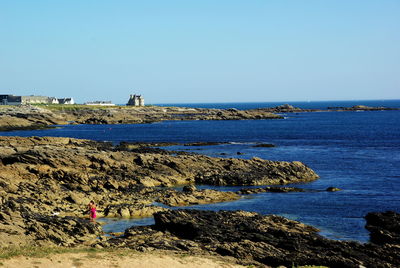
53,100
66,101
38,100
135,100
10,100
102,103
18,100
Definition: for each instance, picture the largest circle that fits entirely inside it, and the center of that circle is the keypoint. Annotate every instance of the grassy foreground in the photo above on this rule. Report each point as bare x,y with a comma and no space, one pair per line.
40,252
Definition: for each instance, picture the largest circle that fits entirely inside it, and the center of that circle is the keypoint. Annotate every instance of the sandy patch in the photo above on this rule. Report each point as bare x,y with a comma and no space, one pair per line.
118,260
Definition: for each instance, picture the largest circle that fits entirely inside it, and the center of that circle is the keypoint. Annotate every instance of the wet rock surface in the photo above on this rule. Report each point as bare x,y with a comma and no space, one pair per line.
252,239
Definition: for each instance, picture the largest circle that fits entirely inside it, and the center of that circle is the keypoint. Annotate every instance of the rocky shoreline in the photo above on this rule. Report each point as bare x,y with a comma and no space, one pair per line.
57,177
37,117
20,117
46,183
259,240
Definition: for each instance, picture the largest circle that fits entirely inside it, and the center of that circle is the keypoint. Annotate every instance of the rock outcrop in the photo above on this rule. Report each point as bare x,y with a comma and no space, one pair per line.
46,183
252,239
362,108
55,178
271,189
25,116
31,117
196,197
20,226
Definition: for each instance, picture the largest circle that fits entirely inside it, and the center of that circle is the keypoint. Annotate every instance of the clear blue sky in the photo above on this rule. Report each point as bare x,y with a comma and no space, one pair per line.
201,51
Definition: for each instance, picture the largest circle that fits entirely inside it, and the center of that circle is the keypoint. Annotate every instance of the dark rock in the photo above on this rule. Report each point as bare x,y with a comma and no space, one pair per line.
283,189
97,121
384,227
254,239
266,145
189,188
270,189
362,108
206,143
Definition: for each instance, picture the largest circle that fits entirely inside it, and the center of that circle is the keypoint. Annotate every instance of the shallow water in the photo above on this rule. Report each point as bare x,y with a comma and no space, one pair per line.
358,152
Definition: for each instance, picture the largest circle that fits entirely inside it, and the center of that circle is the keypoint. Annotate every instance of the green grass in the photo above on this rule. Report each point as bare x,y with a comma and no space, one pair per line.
6,106
38,252
77,107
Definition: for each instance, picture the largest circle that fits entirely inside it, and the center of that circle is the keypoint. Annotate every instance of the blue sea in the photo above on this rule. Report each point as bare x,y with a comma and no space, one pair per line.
358,152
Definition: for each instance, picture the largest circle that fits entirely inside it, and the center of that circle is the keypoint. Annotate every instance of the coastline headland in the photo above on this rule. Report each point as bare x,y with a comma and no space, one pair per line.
44,116
46,184
40,116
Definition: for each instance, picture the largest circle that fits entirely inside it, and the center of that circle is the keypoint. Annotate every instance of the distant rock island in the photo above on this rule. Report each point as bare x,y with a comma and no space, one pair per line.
362,108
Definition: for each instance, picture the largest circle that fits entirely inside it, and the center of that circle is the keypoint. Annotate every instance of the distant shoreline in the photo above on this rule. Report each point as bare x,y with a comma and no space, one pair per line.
29,117
394,103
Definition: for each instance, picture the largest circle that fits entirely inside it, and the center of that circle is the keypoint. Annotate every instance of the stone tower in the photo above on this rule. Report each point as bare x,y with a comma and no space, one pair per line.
135,100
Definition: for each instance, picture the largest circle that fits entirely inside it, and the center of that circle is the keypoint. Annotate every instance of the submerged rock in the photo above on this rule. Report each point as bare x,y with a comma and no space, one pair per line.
264,145
206,143
333,189
270,189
